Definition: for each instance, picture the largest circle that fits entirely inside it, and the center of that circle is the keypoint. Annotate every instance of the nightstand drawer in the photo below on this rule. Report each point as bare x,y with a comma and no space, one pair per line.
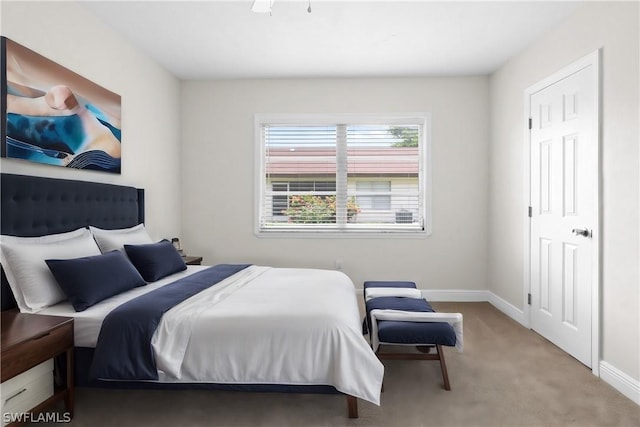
29,353
27,390
28,340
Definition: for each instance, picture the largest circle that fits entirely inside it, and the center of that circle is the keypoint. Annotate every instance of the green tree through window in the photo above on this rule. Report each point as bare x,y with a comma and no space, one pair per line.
409,136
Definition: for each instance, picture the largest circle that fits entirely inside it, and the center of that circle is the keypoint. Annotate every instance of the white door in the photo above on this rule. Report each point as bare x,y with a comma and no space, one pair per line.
563,200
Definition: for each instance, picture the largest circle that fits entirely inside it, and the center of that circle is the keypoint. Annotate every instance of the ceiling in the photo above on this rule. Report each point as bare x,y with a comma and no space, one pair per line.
225,39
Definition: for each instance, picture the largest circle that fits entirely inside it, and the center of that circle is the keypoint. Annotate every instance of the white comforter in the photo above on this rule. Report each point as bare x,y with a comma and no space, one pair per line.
271,326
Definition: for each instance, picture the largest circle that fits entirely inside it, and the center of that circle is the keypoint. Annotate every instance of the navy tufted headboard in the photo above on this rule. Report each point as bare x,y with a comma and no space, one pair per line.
34,206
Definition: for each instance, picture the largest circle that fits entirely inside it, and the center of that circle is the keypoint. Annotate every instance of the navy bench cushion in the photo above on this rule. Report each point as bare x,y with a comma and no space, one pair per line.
397,332
392,331
399,303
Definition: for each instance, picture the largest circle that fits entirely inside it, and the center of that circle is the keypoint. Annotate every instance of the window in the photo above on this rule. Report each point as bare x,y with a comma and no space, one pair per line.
279,201
342,174
373,195
285,194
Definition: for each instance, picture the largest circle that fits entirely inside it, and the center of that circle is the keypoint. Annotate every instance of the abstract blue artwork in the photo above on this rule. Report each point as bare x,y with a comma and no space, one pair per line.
54,116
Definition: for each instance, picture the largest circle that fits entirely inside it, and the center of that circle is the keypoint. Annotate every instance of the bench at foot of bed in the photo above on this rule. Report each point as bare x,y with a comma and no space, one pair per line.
397,315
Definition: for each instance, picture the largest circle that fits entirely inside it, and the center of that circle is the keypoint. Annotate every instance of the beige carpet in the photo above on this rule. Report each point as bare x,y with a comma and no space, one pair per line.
506,376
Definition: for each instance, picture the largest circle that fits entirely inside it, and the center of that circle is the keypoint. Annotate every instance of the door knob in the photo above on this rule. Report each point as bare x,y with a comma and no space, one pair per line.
581,232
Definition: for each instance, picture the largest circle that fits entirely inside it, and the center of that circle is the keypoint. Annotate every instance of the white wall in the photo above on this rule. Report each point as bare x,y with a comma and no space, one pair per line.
218,176
613,27
69,35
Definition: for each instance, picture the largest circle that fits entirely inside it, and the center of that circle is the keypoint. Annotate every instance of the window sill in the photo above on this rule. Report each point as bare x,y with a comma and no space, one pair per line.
350,234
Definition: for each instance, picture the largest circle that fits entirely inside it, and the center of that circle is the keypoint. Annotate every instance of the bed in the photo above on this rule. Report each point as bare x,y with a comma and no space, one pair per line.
257,329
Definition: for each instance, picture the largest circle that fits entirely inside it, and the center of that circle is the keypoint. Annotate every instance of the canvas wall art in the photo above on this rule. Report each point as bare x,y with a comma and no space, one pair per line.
54,116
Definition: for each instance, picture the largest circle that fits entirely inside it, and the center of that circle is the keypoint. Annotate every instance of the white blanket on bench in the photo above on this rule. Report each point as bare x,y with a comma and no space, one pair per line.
371,293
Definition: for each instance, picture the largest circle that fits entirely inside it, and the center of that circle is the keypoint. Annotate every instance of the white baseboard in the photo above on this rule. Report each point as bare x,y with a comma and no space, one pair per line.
507,308
454,295
477,296
622,382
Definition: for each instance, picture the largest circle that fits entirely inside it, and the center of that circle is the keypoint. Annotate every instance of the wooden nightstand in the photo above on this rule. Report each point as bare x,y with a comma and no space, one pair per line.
192,260
29,342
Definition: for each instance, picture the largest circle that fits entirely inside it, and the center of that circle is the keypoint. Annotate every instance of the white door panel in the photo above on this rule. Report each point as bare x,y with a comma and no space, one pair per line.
563,179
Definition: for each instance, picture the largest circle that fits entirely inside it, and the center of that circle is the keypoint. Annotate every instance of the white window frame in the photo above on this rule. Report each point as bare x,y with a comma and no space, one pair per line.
423,119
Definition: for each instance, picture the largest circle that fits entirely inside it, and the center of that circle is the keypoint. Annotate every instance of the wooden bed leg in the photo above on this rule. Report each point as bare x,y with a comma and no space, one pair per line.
352,406
443,366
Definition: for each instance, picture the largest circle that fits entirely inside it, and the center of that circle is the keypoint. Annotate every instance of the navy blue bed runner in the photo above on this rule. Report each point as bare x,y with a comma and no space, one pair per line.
123,350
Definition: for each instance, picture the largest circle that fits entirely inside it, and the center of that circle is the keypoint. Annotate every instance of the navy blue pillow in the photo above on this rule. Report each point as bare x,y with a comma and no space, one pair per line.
89,280
155,260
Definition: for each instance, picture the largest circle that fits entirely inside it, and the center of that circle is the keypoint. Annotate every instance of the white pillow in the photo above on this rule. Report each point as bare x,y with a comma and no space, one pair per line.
109,240
45,239
31,281
49,238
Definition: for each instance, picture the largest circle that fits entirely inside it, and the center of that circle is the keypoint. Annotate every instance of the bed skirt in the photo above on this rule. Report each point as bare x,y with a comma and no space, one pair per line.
83,356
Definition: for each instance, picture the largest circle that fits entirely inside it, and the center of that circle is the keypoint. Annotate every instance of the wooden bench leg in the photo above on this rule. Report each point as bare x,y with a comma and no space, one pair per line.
352,406
443,366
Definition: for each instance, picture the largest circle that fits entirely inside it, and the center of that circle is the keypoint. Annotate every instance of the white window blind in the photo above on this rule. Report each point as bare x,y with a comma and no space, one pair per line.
373,195
347,176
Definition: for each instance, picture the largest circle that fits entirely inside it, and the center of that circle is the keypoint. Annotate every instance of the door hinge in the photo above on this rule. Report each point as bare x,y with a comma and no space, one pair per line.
530,212
529,299
530,123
